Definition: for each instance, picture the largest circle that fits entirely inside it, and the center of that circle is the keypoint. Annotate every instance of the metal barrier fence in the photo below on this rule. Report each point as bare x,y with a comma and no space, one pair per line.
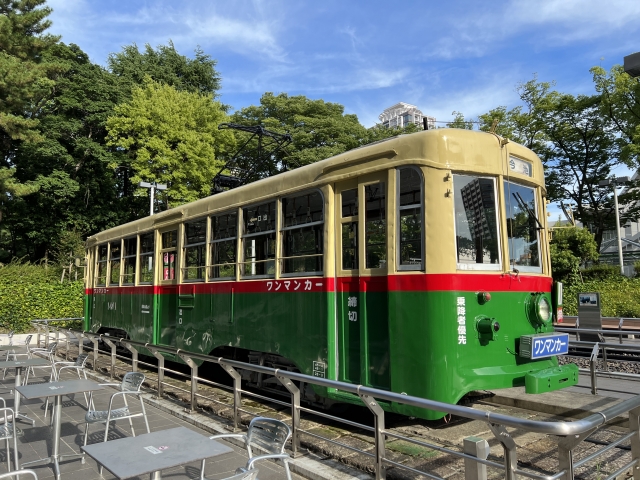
569,435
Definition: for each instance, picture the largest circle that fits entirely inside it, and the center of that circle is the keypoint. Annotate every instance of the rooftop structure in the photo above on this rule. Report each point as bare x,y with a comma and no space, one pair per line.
402,114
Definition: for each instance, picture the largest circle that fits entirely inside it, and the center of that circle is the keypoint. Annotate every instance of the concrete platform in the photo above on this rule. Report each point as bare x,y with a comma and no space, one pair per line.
35,441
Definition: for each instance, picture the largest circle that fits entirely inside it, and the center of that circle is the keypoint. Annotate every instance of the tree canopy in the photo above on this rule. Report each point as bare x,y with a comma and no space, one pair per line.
172,138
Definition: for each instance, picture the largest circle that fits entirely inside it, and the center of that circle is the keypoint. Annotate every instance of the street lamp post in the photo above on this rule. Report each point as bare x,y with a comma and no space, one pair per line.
615,182
153,186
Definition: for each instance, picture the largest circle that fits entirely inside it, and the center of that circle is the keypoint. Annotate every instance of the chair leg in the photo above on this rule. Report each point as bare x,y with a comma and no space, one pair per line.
6,444
86,434
16,461
286,469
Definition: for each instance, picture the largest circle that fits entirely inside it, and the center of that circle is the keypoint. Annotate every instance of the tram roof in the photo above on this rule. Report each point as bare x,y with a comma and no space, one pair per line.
446,148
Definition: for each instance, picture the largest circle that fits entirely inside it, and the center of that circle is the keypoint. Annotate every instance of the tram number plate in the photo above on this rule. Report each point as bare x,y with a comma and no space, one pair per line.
544,345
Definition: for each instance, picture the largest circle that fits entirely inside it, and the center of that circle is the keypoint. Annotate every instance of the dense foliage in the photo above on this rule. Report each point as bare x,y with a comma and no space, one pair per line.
619,295
29,292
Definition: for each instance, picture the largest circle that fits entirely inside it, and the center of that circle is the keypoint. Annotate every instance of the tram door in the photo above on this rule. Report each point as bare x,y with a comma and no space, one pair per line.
167,300
362,302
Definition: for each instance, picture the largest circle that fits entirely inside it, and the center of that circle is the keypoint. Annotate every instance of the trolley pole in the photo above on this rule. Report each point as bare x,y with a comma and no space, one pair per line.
152,187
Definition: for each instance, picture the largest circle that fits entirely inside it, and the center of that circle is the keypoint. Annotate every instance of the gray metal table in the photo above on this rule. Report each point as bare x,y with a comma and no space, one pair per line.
57,389
153,452
20,366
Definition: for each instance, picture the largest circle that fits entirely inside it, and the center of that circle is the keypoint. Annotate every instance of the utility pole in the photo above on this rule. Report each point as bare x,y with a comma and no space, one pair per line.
153,186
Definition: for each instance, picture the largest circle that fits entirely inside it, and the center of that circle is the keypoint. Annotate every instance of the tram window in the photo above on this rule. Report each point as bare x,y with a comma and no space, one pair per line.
349,207
146,257
129,261
477,241
259,240
114,256
101,270
169,242
410,219
375,225
522,231
195,236
302,234
224,230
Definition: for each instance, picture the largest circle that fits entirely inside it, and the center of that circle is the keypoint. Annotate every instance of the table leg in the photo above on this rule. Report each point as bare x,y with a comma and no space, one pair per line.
157,475
55,458
16,398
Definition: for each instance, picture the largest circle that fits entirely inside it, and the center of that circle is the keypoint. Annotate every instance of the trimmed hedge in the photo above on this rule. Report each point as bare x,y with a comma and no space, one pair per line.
29,292
619,296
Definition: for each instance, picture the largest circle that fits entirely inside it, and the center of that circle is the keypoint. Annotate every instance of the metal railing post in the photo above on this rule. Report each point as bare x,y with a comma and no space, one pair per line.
67,336
578,328
379,437
620,328
95,340
479,448
509,447
46,334
113,355
634,426
194,380
134,354
237,388
295,412
593,359
160,359
80,337
566,445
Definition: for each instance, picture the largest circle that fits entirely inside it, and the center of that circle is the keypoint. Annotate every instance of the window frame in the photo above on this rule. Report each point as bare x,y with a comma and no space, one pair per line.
536,198
280,258
106,265
210,265
422,265
244,236
110,261
486,267
142,254
185,246
135,262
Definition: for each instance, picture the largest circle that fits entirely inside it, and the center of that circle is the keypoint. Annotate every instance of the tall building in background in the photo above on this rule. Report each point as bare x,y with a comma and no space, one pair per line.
401,114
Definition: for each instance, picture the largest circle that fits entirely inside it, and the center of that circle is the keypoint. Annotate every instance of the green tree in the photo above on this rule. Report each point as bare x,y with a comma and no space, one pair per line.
79,192
171,137
25,84
319,129
460,122
523,124
582,152
621,103
571,247
165,65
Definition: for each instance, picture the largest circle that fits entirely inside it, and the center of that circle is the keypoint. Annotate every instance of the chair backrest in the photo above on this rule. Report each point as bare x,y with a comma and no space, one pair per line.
52,347
81,360
27,340
248,475
132,381
10,335
269,434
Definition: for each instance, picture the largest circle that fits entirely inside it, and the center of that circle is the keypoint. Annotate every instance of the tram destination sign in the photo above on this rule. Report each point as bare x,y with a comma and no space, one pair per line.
544,345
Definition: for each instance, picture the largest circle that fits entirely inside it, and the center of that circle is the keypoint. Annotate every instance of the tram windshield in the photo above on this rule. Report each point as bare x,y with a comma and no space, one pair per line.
477,239
522,227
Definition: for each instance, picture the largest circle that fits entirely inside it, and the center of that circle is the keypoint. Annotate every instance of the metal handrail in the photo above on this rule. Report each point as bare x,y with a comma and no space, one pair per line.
571,433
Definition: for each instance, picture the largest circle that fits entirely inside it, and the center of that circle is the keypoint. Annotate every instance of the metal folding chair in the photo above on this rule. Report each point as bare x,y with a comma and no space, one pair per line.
17,473
8,431
130,385
248,475
47,353
268,434
77,366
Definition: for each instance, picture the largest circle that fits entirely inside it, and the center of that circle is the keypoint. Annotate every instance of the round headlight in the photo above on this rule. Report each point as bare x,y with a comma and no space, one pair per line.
544,310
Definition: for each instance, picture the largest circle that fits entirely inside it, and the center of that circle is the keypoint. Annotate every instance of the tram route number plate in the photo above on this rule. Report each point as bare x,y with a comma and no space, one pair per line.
544,345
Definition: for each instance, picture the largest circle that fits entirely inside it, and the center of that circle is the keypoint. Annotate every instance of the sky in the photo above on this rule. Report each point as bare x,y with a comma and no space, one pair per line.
460,55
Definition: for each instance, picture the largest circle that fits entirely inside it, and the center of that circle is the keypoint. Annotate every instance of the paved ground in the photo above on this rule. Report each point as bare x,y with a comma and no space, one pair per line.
35,441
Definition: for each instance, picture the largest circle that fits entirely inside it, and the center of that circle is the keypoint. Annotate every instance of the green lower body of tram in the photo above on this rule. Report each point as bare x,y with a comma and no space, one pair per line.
435,344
